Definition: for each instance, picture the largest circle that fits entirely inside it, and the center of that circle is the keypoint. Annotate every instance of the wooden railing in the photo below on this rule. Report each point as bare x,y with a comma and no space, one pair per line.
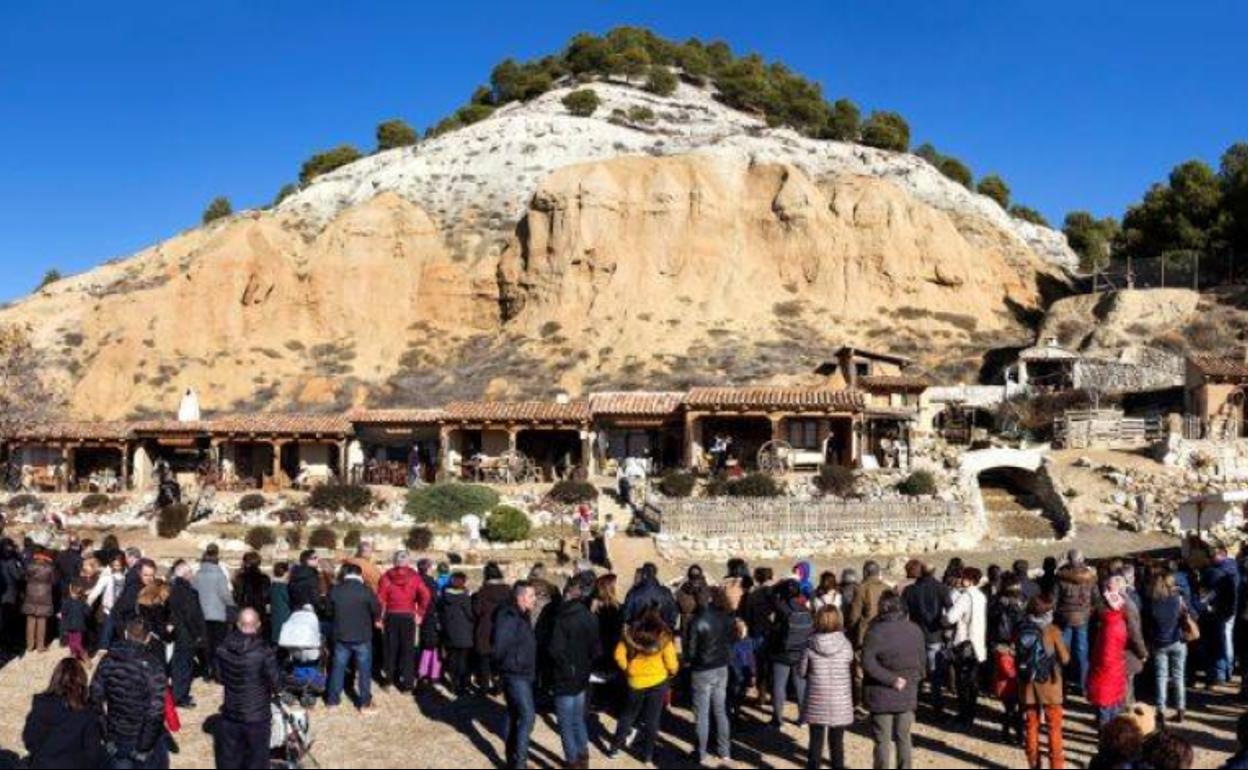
785,517
1107,428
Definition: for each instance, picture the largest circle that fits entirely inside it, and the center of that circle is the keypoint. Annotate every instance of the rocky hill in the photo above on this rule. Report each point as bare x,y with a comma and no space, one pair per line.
536,252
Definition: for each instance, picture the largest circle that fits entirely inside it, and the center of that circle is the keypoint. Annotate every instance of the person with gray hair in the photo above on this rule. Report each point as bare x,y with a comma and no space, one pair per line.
405,600
249,673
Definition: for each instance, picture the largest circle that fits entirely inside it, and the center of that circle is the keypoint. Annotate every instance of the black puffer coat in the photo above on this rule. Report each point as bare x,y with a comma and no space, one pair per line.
251,677
573,648
57,736
455,618
129,689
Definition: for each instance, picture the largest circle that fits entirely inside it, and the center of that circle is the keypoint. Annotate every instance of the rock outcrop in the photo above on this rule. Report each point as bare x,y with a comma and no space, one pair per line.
537,252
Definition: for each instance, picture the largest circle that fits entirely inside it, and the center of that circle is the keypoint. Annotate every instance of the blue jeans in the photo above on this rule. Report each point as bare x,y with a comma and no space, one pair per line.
1076,640
937,673
344,653
573,727
710,700
1170,664
106,633
521,716
1222,650
1106,714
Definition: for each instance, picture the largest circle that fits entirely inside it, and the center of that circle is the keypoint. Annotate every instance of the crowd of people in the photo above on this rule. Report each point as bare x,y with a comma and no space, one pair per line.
825,652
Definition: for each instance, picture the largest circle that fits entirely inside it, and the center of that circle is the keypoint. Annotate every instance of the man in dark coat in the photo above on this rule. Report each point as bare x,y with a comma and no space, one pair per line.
571,652
68,567
514,646
356,613
305,586
893,660
650,594
190,633
925,601
248,670
129,691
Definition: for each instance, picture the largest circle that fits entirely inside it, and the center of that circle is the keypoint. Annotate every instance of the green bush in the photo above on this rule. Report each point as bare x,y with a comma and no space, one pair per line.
352,539
252,501
19,502
836,481
995,187
94,502
219,208
49,277
662,81
288,189
582,102
754,485
573,492
296,516
172,520
294,538
677,484
324,162
449,502
352,498
887,131
419,539
394,133
507,525
257,538
918,484
640,114
1028,214
323,538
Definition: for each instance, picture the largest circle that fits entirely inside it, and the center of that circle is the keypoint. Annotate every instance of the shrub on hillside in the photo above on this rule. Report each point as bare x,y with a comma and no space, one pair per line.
573,492
395,133
662,81
918,484
253,501
294,538
995,187
836,481
1028,214
677,484
324,539
352,498
172,520
887,131
324,162
94,501
258,538
507,525
219,208
449,502
582,103
419,539
352,539
640,114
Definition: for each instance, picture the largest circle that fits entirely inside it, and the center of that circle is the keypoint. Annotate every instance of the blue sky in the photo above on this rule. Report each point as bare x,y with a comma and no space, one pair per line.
120,121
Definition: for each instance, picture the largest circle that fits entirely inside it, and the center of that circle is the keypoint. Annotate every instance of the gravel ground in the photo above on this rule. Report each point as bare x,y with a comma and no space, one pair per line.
433,732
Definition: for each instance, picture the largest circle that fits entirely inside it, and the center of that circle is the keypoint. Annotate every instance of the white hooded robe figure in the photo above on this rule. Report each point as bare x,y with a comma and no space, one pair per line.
188,410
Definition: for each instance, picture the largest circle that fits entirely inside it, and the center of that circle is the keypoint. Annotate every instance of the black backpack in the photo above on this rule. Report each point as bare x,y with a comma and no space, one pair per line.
1036,665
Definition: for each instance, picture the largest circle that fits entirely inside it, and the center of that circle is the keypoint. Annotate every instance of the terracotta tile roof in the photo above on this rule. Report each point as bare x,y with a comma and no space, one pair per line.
780,398
1211,365
305,424
878,355
636,403
518,411
396,416
170,426
880,382
72,431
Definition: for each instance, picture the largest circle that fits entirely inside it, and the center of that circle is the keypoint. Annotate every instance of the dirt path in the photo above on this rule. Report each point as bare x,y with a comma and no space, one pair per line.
434,732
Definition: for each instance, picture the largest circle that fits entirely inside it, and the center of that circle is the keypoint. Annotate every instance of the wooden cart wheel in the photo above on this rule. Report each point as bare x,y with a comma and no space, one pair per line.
775,457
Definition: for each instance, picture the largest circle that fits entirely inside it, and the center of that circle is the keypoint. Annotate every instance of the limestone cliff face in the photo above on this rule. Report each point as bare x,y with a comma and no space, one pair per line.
536,252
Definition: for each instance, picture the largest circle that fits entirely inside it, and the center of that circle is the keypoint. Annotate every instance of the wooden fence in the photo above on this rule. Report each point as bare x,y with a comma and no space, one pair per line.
1106,428
816,519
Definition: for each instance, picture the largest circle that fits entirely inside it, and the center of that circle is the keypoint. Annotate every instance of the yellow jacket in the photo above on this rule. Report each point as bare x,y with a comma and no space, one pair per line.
647,667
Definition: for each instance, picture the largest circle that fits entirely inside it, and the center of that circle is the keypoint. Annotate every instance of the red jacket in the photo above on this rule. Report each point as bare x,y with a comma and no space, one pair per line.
1107,668
403,592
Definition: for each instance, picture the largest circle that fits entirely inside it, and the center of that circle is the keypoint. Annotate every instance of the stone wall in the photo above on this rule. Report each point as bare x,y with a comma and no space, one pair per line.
770,528
1154,370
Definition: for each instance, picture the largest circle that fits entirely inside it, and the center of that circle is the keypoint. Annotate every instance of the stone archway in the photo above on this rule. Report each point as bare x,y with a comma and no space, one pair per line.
1019,487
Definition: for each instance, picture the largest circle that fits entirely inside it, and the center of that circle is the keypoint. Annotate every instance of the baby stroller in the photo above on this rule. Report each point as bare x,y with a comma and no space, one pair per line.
300,640
290,744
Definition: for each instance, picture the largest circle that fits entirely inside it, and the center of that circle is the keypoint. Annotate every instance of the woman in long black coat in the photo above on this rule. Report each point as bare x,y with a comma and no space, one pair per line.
62,730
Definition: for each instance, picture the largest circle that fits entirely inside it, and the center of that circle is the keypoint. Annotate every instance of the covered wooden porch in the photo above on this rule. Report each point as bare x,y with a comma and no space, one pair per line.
516,441
70,457
807,426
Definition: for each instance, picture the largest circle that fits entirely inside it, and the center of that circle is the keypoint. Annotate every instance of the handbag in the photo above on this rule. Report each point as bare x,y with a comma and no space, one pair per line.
173,723
1188,627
